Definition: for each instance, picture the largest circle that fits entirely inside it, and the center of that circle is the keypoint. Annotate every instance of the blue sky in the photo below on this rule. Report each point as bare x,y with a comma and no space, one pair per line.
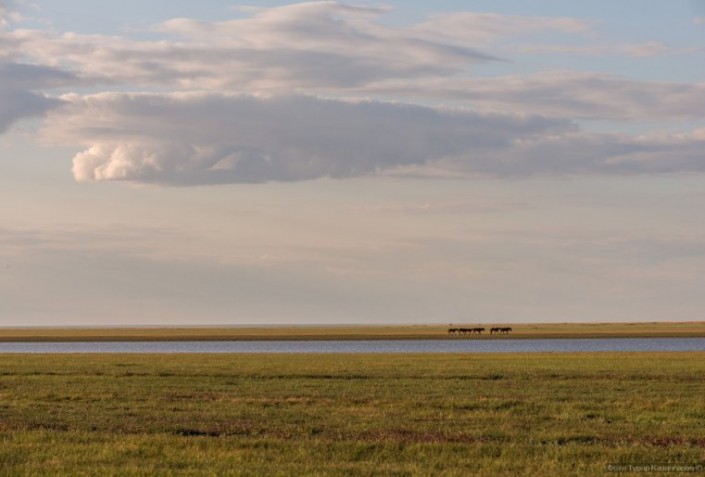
351,162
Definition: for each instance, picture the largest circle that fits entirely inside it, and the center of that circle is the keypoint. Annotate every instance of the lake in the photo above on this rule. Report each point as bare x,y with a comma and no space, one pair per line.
365,346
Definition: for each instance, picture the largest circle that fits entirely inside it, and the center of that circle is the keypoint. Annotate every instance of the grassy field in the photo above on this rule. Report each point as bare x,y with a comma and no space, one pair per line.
454,415
548,330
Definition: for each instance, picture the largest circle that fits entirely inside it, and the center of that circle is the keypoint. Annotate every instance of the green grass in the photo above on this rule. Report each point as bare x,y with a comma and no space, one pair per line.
499,414
535,330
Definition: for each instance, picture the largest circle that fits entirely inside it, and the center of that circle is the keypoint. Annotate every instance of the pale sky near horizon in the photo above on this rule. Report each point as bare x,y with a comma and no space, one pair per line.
215,162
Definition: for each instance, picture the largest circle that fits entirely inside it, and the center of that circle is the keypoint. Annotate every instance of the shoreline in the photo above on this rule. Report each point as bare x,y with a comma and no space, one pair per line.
361,332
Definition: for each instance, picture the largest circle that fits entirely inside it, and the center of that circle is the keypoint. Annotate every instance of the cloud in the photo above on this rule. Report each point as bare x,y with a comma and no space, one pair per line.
18,82
580,152
487,28
304,47
32,77
201,138
298,47
574,153
567,94
334,49
440,208
169,276
207,138
17,98
268,120
18,104
7,14
637,50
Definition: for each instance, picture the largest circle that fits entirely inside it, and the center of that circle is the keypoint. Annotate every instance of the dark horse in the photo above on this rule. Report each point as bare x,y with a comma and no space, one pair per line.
465,331
500,330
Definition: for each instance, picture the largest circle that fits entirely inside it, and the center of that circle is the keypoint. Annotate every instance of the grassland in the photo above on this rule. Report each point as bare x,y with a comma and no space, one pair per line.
453,415
552,330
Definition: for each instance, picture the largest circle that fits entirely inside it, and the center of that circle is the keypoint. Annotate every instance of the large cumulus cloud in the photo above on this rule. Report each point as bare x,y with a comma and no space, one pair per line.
208,138
205,138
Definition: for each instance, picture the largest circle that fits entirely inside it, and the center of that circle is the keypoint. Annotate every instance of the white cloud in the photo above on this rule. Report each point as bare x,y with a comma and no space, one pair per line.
298,47
199,138
302,47
339,49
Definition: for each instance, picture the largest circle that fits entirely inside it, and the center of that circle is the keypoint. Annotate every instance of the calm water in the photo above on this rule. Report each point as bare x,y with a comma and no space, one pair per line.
382,346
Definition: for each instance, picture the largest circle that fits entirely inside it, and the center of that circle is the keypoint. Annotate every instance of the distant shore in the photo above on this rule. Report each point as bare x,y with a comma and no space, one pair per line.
362,332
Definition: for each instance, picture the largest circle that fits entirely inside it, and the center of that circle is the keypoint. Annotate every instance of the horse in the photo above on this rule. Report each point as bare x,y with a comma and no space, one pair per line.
505,331
465,331
494,330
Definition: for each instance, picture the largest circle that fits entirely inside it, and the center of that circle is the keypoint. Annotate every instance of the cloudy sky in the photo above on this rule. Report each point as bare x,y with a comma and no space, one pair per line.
220,162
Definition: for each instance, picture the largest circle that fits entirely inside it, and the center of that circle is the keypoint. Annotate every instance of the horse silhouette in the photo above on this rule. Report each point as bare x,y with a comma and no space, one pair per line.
465,331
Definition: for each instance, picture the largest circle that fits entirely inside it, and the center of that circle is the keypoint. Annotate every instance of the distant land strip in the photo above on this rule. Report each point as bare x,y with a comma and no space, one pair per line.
349,332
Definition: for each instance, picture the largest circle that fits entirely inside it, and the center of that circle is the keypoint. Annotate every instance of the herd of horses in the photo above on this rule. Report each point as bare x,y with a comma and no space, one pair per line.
471,331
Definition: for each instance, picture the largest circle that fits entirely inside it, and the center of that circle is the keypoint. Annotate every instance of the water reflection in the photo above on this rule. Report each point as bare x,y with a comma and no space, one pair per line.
381,346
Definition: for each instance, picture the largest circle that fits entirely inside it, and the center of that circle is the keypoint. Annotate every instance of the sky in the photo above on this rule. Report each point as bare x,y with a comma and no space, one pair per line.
219,162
